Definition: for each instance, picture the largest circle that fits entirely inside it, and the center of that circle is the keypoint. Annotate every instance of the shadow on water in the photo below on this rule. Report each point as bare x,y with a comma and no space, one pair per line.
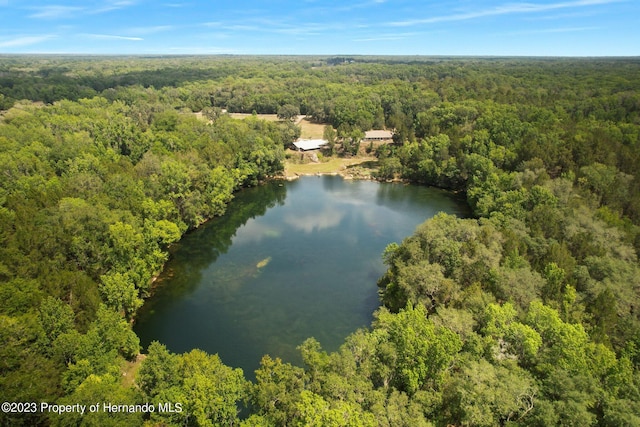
202,247
431,201
288,261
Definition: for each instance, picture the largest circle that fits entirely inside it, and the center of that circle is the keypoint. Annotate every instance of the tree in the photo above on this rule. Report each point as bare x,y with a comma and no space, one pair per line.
288,112
356,137
485,395
421,351
555,277
313,410
56,318
105,389
389,168
207,390
564,345
276,390
120,293
329,134
111,331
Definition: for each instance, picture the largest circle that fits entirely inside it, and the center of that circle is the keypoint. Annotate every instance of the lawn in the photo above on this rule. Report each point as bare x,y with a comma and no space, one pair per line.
267,117
310,130
335,165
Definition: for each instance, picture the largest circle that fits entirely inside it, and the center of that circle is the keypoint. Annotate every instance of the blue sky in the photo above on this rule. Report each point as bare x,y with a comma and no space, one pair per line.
368,27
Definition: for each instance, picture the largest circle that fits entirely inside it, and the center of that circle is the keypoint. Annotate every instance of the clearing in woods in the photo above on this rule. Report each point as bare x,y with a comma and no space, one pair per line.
358,166
309,130
334,165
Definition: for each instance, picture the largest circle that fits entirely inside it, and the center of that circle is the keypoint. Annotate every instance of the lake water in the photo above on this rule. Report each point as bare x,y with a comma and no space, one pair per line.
289,260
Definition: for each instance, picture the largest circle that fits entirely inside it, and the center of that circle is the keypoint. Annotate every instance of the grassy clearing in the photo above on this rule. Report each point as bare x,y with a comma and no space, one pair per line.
335,165
267,117
311,130
361,166
130,370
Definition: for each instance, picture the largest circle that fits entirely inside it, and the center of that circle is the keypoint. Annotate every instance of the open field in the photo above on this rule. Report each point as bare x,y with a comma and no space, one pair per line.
310,130
335,165
267,117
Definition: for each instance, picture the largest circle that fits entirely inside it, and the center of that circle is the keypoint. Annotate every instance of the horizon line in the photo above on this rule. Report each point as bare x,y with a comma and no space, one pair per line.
361,55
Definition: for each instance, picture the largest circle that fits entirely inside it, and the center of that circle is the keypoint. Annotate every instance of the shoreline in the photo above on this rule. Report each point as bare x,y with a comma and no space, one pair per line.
359,167
353,177
288,175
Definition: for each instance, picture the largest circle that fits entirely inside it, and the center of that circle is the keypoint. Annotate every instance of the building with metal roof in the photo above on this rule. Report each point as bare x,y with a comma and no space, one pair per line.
378,135
309,144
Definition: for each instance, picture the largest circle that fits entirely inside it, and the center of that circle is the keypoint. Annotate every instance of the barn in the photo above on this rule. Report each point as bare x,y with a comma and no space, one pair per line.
309,144
378,135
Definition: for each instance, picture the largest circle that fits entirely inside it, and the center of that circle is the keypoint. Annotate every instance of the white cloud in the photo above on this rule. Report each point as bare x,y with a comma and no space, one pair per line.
564,16
508,9
113,5
210,36
56,12
25,41
555,30
242,27
63,12
150,30
380,38
299,31
387,37
362,5
112,37
273,26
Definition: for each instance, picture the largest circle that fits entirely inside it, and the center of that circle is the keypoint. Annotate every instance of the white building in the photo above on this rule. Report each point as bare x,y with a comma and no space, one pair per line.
309,144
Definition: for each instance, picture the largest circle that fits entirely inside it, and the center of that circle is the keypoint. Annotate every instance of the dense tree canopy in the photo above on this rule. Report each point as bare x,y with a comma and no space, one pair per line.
525,314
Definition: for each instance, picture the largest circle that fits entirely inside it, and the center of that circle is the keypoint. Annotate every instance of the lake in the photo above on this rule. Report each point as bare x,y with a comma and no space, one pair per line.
288,261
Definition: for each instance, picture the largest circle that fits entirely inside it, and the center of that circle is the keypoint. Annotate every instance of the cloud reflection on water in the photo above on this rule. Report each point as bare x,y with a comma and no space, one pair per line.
254,231
327,218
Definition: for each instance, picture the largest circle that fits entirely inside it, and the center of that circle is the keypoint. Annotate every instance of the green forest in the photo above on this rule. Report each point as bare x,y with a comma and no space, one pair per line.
526,314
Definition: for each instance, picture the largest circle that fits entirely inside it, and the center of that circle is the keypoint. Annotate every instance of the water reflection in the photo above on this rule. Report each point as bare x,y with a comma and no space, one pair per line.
310,221
202,247
288,261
